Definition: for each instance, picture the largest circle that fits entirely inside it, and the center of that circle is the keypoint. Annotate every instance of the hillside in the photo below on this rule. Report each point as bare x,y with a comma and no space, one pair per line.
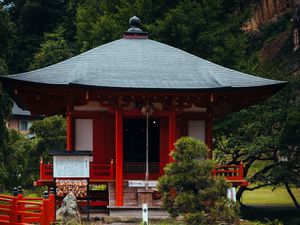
266,11
272,20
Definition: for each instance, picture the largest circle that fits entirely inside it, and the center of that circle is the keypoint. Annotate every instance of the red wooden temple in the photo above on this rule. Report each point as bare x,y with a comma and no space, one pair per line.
103,93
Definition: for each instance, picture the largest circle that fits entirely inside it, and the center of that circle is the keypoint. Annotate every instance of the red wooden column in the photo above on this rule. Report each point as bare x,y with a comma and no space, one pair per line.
119,156
209,134
70,127
209,128
98,141
172,132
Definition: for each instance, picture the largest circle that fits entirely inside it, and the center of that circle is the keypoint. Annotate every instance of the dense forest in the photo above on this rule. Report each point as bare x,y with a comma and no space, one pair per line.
38,33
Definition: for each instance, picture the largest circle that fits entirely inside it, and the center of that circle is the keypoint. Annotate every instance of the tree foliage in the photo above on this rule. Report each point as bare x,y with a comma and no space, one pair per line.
188,188
54,49
7,32
7,38
265,138
32,18
51,132
20,161
5,138
95,26
208,29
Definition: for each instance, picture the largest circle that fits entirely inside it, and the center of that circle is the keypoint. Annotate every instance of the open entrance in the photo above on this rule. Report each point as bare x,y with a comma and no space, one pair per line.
134,145
135,140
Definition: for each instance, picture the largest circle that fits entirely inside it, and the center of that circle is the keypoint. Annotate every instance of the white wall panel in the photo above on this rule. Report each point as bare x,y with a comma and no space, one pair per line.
84,134
196,129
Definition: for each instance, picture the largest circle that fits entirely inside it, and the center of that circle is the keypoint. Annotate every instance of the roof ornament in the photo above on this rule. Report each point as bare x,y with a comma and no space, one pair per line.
134,23
134,32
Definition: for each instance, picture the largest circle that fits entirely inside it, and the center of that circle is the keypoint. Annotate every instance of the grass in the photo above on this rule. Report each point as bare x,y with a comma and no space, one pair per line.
268,197
266,204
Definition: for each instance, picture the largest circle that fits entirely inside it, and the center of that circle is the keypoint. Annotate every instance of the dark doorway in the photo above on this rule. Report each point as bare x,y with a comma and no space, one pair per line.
134,131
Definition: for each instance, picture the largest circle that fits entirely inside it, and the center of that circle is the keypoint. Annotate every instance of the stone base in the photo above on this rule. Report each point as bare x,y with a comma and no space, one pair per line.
136,212
144,196
133,196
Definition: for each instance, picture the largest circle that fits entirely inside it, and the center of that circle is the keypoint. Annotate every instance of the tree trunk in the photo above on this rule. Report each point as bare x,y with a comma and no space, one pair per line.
292,195
239,194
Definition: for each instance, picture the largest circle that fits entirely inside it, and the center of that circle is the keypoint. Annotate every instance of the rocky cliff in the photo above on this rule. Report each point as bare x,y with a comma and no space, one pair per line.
265,11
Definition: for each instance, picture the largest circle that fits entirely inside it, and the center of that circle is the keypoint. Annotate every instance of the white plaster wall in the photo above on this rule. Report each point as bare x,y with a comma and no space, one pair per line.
196,129
84,134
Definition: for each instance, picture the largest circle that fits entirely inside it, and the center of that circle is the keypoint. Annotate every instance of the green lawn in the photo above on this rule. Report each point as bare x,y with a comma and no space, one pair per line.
265,204
268,197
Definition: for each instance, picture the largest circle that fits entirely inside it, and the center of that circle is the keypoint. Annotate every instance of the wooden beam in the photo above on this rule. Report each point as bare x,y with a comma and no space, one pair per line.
138,113
119,156
87,114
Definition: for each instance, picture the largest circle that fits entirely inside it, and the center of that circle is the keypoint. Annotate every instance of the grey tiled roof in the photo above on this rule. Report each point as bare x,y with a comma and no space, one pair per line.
141,63
16,111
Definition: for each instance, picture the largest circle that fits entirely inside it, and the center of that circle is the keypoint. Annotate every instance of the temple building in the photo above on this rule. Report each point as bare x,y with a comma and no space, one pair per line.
21,121
126,102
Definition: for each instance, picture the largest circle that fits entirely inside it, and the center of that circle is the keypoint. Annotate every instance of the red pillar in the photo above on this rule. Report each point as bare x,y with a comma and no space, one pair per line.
172,132
119,157
69,132
209,132
42,172
98,141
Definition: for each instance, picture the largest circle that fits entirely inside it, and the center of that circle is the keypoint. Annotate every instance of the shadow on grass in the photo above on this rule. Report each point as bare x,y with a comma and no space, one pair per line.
287,215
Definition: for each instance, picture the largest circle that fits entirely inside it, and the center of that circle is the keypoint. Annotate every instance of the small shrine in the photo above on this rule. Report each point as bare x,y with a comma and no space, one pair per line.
126,102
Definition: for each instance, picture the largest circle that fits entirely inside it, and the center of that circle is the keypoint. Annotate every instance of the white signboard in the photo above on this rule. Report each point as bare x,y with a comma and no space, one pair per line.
71,166
141,183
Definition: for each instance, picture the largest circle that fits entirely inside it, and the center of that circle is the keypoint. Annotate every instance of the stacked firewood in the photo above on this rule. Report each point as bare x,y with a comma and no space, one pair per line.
78,187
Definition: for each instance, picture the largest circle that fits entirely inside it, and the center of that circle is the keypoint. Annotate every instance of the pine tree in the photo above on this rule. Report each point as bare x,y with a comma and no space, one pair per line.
189,190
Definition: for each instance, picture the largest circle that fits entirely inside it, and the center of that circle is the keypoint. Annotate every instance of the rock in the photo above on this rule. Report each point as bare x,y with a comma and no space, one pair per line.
266,11
69,210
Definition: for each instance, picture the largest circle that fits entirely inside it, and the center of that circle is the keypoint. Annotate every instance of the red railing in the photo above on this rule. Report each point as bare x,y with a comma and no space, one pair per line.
46,171
97,171
135,170
230,172
140,167
16,210
102,171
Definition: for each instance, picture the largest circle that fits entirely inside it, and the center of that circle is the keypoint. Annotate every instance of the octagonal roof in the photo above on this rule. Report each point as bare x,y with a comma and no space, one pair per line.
141,64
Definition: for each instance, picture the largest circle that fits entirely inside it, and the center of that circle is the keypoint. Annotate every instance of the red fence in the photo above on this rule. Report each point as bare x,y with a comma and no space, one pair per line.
140,167
232,173
102,171
46,171
17,210
97,171
135,170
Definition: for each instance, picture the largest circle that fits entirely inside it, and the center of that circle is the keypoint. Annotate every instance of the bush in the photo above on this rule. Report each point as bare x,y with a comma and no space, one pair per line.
189,190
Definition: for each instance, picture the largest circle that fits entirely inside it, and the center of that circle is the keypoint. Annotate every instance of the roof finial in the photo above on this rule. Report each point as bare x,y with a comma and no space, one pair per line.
134,21
134,31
